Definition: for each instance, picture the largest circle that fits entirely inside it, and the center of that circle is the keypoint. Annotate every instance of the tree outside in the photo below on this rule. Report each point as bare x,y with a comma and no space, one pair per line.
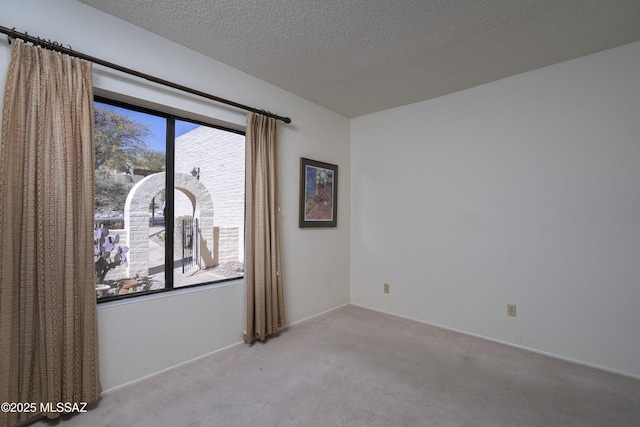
121,153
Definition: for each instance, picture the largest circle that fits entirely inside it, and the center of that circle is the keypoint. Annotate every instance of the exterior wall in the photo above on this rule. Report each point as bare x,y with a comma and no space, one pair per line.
136,222
202,206
220,157
136,219
228,243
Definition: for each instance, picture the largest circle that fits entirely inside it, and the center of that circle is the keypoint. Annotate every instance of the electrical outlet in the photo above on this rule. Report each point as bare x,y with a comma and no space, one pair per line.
386,288
511,310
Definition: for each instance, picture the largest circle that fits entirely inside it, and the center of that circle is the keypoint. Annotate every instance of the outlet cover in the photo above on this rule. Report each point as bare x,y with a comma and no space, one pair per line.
511,310
386,288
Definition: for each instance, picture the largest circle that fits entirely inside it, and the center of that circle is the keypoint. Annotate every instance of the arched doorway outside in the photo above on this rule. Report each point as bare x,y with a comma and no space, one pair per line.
136,219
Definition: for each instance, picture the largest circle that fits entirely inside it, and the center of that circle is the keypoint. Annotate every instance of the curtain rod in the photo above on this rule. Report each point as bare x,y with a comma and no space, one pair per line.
52,45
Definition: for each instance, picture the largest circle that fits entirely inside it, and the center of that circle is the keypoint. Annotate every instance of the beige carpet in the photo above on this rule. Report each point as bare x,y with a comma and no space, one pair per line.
356,367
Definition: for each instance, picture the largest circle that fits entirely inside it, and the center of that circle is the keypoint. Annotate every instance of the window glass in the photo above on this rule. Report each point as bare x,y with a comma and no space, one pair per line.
209,205
152,234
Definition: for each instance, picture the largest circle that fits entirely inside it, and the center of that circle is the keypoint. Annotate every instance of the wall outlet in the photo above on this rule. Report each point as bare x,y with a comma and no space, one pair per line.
386,288
511,310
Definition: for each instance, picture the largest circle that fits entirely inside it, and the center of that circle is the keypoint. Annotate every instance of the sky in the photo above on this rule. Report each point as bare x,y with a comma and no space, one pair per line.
157,125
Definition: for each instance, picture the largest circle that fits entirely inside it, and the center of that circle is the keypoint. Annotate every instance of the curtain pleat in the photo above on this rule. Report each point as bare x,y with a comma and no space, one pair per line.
48,317
263,263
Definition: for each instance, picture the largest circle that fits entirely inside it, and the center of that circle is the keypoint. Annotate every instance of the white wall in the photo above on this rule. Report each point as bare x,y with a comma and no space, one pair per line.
148,335
523,191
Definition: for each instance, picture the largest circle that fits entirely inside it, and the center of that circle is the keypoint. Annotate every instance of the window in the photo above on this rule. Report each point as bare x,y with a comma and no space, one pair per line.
169,202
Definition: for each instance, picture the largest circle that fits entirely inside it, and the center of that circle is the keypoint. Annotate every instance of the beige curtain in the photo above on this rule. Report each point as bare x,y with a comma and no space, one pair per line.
48,330
263,271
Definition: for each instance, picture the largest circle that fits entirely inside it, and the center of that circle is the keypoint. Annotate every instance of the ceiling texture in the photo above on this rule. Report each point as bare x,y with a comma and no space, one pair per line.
357,57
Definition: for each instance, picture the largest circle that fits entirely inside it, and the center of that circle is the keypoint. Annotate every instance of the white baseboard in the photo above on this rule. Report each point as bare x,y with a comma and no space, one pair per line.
146,377
533,350
510,344
318,314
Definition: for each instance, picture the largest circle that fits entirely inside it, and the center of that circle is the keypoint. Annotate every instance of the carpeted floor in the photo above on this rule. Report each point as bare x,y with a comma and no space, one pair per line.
356,367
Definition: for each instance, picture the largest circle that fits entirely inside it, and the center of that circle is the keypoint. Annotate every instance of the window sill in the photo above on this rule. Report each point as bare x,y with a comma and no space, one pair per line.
169,293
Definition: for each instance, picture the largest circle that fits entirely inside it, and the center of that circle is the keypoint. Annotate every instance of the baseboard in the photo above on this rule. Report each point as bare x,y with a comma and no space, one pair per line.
510,344
146,377
533,350
318,314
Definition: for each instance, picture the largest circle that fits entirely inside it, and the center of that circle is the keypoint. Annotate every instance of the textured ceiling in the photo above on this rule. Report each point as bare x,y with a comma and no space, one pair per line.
361,56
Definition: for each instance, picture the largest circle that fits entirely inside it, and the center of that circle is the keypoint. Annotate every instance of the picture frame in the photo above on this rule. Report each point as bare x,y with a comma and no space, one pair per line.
318,194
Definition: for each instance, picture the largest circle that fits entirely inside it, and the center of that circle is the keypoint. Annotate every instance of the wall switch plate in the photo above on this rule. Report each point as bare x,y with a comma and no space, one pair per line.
386,288
511,310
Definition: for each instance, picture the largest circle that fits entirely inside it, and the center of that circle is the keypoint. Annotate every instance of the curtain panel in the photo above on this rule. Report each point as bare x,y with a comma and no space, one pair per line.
48,318
263,263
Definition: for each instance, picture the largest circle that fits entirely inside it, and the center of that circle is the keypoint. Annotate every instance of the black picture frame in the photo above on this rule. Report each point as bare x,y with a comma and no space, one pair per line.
318,194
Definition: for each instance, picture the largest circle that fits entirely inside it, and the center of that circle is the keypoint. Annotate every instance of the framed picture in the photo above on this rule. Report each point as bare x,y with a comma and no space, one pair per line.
318,194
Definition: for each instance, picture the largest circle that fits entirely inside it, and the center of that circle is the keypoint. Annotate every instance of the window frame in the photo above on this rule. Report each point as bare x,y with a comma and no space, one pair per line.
169,197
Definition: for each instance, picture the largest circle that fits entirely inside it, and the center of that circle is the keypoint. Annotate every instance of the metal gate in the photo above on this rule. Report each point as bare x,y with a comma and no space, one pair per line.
190,244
